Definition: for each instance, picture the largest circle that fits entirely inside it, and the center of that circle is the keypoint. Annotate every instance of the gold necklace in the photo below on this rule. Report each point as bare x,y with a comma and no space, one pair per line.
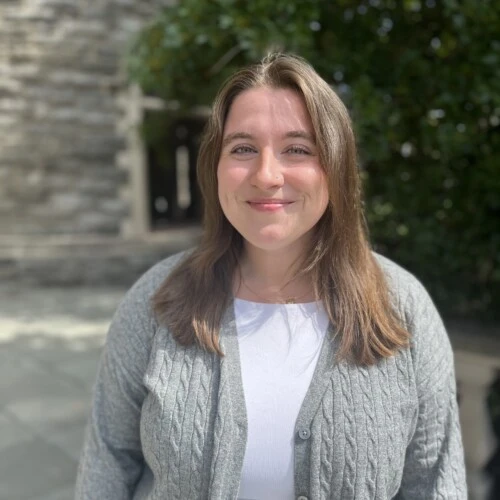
289,300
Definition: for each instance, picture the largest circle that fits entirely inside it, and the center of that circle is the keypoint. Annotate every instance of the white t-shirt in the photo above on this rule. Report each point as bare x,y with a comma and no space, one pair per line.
279,348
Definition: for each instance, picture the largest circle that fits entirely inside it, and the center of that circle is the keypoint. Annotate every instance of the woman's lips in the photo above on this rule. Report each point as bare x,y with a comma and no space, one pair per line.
268,205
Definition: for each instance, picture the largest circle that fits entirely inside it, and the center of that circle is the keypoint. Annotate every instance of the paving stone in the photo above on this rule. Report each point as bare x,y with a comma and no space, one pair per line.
26,303
29,470
24,381
49,412
77,358
12,432
64,494
68,438
82,368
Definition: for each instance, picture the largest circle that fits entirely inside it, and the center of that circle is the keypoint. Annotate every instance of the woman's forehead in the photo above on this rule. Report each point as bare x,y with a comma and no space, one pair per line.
261,109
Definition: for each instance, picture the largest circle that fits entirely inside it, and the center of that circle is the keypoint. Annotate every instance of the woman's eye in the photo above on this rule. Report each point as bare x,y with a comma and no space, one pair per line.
298,150
239,150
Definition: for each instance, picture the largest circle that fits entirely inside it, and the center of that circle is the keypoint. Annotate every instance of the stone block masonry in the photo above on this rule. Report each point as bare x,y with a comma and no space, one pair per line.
60,72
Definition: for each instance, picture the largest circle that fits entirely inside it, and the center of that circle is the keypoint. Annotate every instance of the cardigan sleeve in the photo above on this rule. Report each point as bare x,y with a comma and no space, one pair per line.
112,462
434,465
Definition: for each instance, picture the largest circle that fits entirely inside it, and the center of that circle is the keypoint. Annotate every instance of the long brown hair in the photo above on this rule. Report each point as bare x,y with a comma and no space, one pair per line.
344,273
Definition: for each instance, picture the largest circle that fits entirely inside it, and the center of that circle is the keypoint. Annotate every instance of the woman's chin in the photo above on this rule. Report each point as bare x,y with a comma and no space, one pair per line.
271,242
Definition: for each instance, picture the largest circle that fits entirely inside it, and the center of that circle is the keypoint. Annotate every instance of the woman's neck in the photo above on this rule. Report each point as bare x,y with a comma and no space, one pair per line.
267,276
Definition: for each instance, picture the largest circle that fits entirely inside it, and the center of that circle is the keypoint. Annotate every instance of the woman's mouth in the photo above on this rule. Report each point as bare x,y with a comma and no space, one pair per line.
268,205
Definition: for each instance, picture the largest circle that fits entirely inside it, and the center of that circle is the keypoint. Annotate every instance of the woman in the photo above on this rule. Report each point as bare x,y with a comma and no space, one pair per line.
281,358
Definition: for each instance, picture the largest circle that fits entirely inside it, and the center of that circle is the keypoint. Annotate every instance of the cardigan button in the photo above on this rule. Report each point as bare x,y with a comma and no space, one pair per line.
302,497
304,434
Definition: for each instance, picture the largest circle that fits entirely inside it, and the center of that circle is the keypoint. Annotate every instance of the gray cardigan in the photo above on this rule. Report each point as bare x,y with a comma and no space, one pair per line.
169,422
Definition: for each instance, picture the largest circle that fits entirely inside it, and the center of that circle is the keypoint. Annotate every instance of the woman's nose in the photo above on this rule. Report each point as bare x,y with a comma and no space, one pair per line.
268,172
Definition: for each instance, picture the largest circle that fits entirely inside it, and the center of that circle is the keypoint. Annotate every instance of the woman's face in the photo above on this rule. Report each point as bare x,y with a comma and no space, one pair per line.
271,185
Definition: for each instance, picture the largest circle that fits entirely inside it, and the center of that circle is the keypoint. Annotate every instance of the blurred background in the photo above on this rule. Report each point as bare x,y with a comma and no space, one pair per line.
101,109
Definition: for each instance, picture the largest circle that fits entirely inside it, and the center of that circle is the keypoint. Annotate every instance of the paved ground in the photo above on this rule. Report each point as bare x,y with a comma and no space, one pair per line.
49,348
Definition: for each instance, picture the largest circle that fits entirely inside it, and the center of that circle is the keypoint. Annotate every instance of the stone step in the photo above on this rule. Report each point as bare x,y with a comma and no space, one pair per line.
87,260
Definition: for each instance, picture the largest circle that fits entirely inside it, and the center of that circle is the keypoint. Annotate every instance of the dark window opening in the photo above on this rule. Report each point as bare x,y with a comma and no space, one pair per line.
172,150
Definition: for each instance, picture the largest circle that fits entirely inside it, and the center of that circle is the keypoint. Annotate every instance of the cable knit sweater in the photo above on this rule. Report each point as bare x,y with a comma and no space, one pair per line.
169,422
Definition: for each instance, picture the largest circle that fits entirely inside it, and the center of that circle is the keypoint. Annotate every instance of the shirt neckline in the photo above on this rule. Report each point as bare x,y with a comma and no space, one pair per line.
253,303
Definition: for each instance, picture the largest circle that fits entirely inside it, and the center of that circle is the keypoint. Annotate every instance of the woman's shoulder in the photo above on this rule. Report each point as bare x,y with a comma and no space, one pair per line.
430,345
146,286
406,290
135,311
397,276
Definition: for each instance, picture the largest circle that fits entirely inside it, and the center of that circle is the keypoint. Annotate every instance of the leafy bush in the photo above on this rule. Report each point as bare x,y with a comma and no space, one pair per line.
422,81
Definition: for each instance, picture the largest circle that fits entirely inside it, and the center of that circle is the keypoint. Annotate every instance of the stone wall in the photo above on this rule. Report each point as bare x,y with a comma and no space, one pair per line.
61,66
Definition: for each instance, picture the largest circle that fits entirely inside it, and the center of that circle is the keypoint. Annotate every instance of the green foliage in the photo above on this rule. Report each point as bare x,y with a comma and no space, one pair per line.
189,50
422,81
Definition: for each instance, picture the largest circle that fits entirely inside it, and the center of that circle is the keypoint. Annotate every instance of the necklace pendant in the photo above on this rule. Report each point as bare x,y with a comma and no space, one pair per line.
290,300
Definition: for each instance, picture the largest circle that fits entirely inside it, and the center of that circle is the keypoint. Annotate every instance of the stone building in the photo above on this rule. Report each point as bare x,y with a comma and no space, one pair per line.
73,190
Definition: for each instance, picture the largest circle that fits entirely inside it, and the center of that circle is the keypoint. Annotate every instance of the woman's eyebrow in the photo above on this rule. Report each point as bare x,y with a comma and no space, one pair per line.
235,135
294,134
300,134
